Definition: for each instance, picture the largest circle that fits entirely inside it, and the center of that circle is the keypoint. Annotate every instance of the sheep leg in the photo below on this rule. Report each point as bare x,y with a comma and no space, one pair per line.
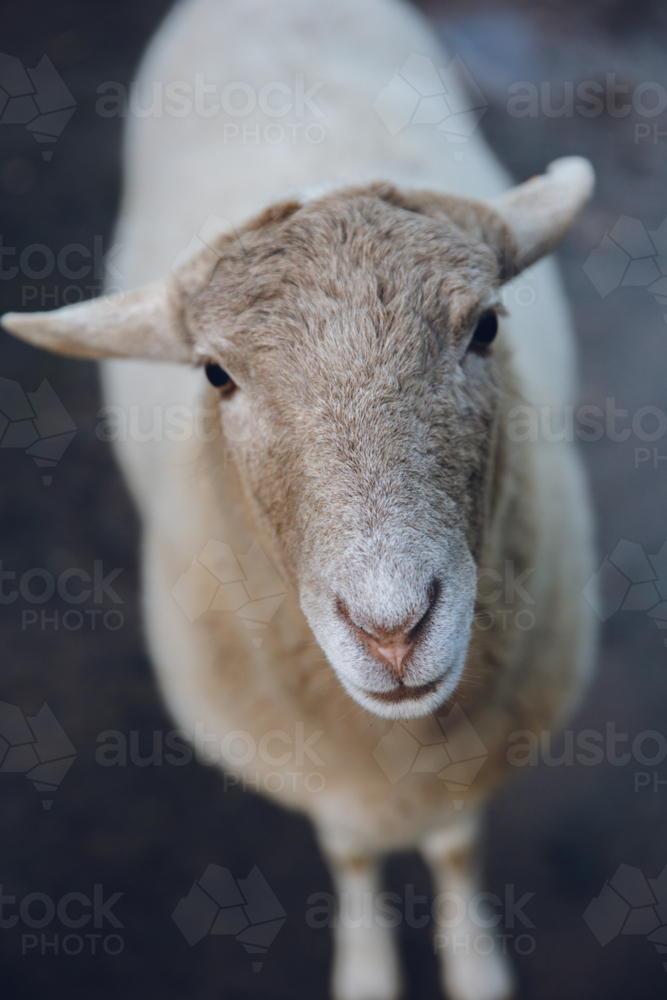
365,960
467,972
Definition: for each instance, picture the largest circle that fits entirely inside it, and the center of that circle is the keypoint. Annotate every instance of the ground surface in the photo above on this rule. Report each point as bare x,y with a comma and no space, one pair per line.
559,832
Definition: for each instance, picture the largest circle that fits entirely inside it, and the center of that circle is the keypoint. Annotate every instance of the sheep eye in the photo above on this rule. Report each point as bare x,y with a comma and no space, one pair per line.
218,377
486,330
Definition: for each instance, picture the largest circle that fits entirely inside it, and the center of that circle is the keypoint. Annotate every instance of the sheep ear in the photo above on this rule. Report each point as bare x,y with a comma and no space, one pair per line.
138,324
541,212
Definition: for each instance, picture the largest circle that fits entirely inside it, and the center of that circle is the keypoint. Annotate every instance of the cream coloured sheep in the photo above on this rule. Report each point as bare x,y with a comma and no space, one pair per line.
354,337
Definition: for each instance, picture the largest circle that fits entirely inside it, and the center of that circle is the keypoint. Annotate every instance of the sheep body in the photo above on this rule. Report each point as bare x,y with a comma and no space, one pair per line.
230,685
355,49
217,678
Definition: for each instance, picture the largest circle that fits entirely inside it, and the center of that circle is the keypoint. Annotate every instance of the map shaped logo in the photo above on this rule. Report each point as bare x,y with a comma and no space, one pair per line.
629,255
631,904
246,908
36,98
453,751
217,580
630,580
36,422
36,746
421,94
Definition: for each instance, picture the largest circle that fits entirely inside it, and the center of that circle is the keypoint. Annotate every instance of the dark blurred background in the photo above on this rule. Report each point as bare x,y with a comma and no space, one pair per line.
559,832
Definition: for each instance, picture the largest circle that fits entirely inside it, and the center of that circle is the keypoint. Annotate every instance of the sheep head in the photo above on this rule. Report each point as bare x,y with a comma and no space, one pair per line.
354,334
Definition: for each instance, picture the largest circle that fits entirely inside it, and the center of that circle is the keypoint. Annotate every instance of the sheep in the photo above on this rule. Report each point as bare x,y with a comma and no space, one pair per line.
344,314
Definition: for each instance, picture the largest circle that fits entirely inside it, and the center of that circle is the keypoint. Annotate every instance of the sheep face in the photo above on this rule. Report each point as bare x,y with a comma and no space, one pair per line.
350,329
355,331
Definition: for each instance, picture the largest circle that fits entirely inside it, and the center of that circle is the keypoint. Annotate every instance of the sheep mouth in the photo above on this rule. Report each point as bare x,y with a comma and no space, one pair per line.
404,693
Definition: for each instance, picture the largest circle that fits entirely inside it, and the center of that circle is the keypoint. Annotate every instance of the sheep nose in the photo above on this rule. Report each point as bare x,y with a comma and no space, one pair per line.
393,653
392,646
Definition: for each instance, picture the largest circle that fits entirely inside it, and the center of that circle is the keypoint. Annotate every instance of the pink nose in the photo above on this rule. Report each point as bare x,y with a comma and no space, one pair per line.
393,644
394,653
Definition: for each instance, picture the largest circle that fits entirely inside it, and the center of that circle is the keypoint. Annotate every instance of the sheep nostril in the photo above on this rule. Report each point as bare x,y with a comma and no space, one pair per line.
433,595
